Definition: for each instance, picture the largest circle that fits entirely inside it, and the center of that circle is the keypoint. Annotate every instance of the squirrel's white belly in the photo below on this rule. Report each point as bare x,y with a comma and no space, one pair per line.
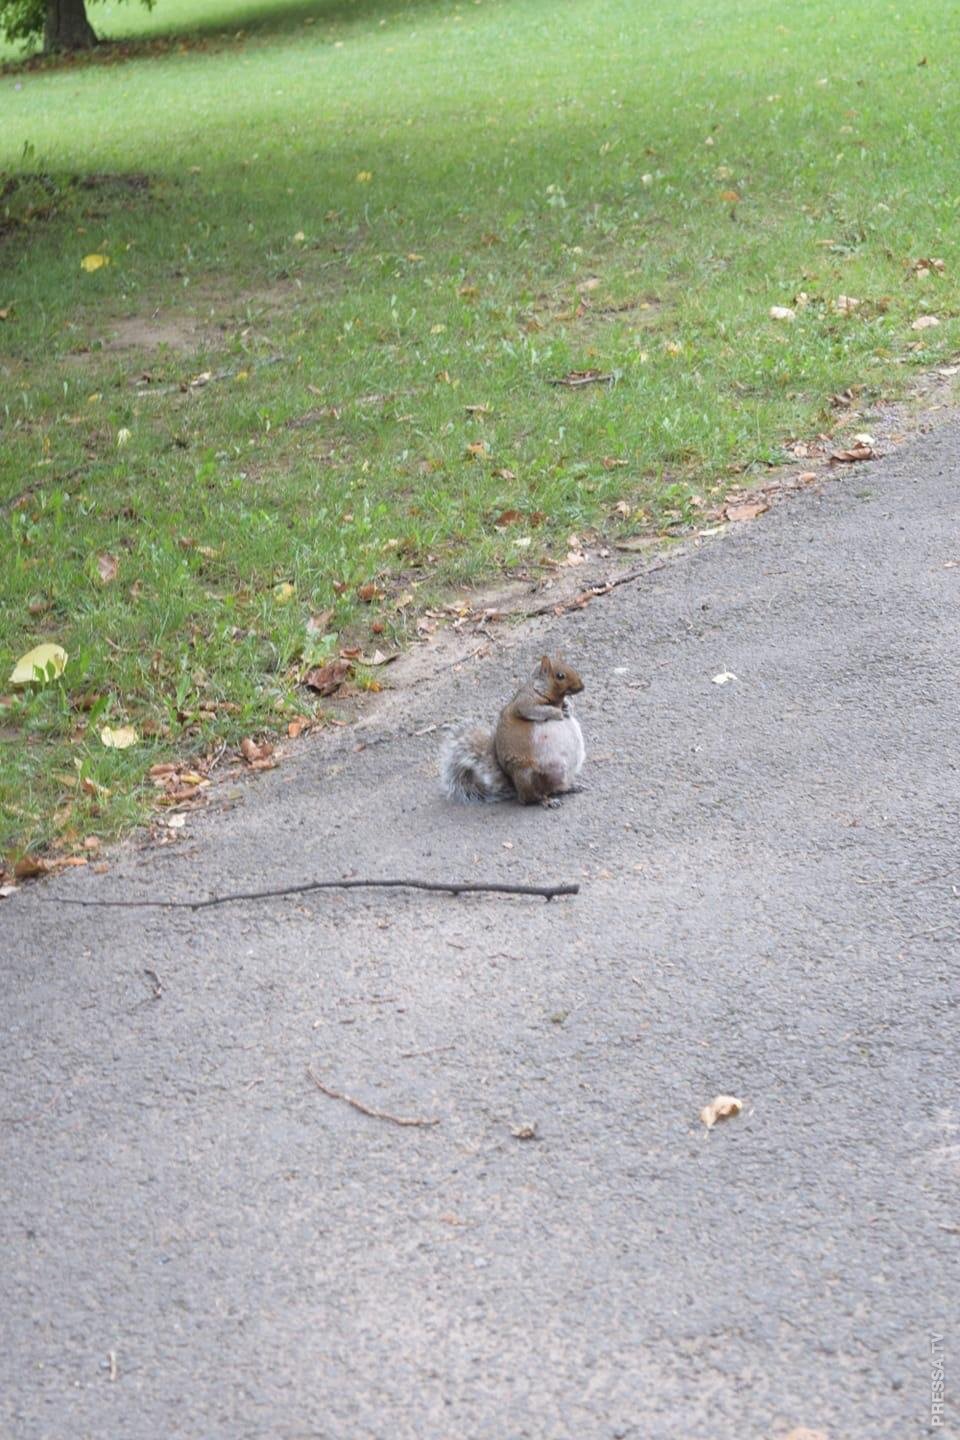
559,751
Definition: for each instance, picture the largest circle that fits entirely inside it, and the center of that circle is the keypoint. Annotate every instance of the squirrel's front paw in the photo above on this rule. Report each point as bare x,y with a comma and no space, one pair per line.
551,802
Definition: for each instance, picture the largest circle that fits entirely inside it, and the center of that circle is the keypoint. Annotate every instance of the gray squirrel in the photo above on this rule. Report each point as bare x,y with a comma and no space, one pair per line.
535,753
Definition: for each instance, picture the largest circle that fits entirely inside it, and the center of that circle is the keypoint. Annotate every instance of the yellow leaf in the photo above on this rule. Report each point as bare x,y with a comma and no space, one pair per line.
37,663
284,592
94,262
120,739
123,438
364,177
299,238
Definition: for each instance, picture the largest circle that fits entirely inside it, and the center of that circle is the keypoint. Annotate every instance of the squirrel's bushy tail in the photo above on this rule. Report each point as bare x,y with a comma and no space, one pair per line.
469,769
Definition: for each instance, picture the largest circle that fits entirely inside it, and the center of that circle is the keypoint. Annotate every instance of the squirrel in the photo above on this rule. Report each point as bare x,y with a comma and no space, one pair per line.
536,751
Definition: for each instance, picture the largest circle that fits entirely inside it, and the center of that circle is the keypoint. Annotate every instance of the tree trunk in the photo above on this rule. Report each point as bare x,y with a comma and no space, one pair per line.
67,26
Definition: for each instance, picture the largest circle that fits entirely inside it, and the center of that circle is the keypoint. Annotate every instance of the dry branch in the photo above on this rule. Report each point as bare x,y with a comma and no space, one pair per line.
457,887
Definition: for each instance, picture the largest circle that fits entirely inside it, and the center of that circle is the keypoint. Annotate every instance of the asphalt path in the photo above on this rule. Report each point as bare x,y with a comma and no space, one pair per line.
197,1241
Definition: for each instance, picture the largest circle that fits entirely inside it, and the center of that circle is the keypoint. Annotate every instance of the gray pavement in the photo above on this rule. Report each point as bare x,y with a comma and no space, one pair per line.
196,1242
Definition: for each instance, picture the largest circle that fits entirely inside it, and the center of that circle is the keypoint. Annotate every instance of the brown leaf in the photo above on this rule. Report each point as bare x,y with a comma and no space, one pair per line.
852,455
317,624
28,866
720,1109
108,567
478,409
508,517
730,197
611,462
476,450
327,679
254,753
921,268
369,592
504,474
748,511
297,726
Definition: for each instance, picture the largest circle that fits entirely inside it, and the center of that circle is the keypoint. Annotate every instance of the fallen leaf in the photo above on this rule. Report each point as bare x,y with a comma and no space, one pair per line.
28,866
478,409
748,511
94,262
523,1132
730,197
108,567
921,268
119,738
284,592
364,177
720,1109
504,474
508,517
724,677
5,312
925,322
611,462
846,304
807,477
42,662
251,750
852,455
297,727
327,679
317,624
379,658
476,450
782,312
369,592
123,437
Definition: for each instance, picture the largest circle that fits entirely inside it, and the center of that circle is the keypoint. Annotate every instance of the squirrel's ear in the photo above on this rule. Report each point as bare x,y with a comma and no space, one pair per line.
546,665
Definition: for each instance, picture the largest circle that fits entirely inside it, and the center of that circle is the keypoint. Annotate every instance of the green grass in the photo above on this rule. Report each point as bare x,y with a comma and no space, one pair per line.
486,195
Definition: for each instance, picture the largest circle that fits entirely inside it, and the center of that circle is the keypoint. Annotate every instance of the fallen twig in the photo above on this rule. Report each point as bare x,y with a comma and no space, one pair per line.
576,378
560,607
458,887
368,1109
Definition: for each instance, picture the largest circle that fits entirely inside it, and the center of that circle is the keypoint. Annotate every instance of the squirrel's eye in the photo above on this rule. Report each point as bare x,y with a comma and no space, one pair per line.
560,675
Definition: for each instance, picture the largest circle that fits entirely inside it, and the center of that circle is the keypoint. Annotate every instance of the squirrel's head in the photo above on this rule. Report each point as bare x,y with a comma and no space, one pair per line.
559,676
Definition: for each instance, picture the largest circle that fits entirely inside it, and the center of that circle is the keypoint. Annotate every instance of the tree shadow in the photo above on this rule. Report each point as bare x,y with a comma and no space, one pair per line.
258,19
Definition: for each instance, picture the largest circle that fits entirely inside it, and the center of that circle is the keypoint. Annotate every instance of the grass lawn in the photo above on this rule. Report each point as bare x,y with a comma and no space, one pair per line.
362,219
